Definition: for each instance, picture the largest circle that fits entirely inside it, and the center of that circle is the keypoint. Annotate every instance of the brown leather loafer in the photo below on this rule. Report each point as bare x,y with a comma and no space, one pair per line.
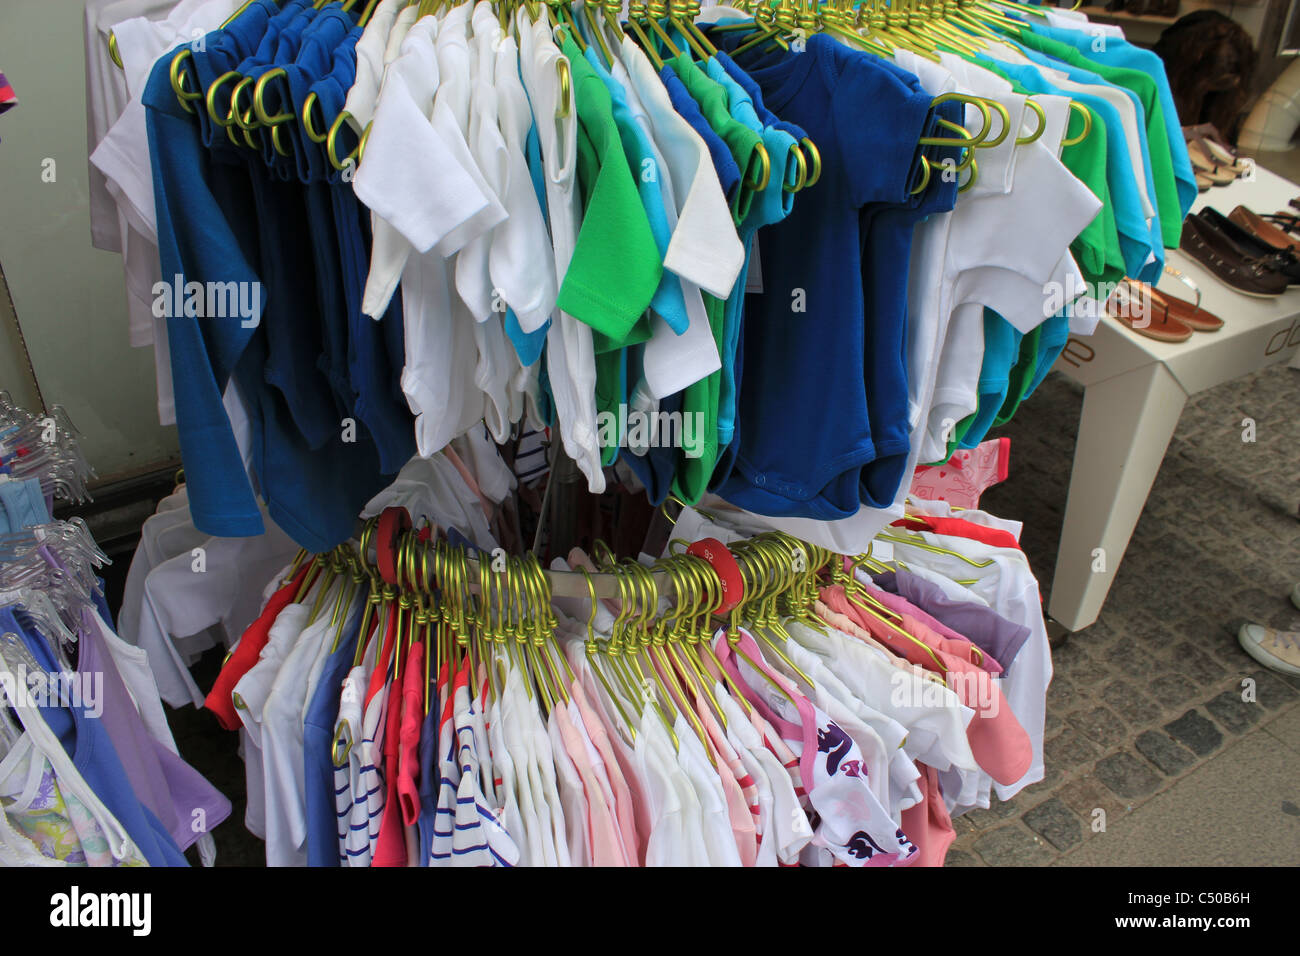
1279,260
1217,253
1274,235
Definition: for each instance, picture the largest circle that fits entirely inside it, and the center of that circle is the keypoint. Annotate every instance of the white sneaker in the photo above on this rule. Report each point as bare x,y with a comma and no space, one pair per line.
1276,650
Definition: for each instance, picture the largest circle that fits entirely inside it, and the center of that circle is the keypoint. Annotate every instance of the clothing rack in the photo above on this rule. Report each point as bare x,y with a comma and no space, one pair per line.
389,553
79,709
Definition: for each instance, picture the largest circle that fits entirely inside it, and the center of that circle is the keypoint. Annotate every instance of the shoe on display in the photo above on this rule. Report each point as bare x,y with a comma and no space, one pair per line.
1279,260
1276,650
1208,131
1263,229
1228,262
1201,160
1224,157
1132,304
1189,313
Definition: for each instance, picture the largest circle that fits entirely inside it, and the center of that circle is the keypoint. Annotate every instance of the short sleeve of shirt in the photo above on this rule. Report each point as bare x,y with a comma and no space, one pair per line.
879,143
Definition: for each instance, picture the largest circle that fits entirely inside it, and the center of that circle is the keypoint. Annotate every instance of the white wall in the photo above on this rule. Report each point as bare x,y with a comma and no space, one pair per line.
69,297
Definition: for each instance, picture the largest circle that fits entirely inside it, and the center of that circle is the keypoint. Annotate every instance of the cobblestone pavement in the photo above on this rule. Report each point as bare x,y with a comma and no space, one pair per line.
1154,689
1148,694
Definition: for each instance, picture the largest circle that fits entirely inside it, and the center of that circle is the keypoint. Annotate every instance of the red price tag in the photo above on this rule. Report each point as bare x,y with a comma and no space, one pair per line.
391,524
725,567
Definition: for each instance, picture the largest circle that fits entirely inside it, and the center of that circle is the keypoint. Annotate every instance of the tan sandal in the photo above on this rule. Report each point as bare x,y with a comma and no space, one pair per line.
1189,313
1131,306
1207,166
1225,158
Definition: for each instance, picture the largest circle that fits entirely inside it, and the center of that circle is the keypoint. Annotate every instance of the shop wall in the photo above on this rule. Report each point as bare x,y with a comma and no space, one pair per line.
68,296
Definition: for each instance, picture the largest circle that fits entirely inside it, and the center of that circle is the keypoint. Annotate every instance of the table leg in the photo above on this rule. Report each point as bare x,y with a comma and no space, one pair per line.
1125,429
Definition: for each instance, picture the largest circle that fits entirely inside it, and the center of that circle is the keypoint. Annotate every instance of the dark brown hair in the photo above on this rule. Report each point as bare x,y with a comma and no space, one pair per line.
1210,61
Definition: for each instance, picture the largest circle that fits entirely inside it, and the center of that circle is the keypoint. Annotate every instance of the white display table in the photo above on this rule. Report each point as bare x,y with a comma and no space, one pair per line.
1134,392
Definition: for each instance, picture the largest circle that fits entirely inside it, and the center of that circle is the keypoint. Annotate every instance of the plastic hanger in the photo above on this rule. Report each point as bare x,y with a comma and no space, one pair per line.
47,618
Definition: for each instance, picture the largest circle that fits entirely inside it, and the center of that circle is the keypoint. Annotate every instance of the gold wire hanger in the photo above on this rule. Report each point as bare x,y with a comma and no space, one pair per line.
659,10
631,661
638,11
686,657
566,25
1036,108
895,628
692,625
682,15
1086,114
645,591
925,545
174,70
778,564
732,631
774,24
596,33
593,653
541,623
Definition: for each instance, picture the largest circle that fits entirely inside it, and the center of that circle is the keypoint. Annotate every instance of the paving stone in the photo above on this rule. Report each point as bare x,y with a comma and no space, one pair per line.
1167,754
1061,695
982,819
1196,732
1054,822
1069,750
1271,691
1086,795
1196,664
1100,725
1172,690
1232,713
1292,680
1130,656
1166,602
1135,705
1152,632
1223,644
962,825
1210,603
961,858
1127,776
1013,845
1284,618
1053,775
1255,596
1073,658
